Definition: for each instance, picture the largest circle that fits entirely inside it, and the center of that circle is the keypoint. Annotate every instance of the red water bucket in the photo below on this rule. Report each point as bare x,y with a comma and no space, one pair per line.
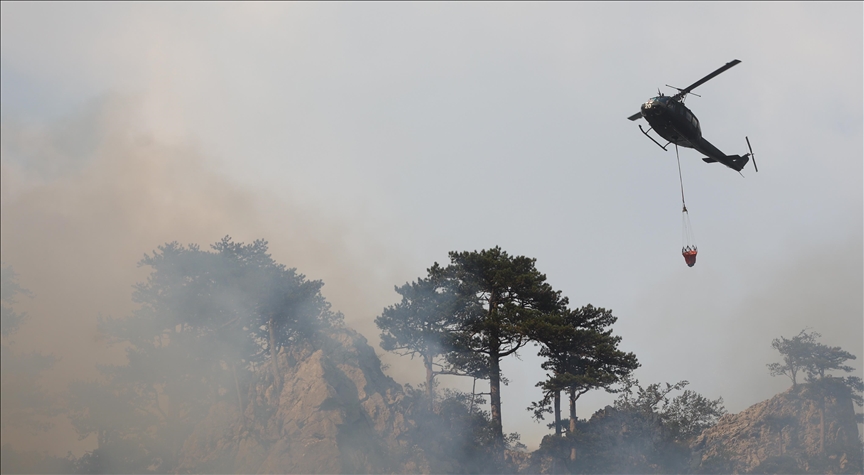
689,254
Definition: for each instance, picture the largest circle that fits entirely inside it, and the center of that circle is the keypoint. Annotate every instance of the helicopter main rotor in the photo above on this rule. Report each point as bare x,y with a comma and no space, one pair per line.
686,90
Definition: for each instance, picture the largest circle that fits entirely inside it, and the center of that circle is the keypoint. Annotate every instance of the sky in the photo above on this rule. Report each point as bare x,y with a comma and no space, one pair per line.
365,141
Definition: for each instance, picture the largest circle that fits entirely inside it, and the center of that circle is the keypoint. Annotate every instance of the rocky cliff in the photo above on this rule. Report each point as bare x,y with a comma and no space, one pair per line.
333,412
788,433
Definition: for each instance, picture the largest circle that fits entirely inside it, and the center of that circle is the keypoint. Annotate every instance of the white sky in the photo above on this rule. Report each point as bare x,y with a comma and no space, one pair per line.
365,141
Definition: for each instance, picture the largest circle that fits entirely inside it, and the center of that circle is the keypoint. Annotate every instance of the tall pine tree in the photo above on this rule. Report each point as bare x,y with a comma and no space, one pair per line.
500,298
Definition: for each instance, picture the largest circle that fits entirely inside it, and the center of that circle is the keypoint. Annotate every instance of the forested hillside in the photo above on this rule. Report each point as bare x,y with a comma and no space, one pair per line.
237,364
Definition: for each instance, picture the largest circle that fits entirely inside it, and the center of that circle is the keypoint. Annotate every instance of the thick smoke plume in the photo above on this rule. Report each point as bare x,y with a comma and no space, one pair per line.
84,197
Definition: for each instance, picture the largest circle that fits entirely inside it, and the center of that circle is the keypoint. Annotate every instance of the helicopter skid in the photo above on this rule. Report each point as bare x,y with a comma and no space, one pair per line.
652,138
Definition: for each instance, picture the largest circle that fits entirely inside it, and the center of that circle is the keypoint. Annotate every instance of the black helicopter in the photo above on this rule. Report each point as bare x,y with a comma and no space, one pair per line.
668,116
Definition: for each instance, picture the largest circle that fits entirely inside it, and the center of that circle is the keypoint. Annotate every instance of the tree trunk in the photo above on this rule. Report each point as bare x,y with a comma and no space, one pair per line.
473,393
782,448
430,382
274,366
572,421
495,394
558,413
495,375
239,397
822,426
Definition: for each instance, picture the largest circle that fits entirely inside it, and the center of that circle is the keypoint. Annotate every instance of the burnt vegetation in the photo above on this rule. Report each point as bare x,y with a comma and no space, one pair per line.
214,326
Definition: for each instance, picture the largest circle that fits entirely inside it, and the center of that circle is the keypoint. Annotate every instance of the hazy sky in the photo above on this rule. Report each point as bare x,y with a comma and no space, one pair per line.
366,140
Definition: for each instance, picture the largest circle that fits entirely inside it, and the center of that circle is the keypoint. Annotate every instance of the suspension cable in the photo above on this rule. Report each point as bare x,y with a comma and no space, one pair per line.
680,179
687,229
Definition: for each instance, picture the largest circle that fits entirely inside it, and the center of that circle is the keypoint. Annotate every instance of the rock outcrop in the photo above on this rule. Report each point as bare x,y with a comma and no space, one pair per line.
334,412
788,433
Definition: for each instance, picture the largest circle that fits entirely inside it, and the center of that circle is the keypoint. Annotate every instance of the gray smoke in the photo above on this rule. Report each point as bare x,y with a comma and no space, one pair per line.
83,199
364,142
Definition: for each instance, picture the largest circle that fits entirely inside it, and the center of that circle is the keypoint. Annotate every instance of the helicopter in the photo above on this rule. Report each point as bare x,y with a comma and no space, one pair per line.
675,123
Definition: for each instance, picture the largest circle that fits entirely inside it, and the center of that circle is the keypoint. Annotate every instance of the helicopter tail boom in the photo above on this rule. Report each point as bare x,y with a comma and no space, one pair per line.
735,162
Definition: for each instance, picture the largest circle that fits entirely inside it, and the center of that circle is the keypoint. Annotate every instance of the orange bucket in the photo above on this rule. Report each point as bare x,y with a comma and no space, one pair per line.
689,254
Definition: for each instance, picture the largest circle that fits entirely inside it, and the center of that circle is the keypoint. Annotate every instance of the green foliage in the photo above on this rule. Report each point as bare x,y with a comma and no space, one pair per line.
419,325
684,417
690,413
648,399
416,326
539,409
795,352
471,314
500,297
487,305
223,300
823,359
581,354
647,431
804,353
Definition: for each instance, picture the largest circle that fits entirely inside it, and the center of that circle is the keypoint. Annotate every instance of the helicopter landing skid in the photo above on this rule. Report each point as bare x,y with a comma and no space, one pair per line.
652,138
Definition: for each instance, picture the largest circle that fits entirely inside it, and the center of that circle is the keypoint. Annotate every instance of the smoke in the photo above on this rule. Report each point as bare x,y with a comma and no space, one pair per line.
85,196
341,111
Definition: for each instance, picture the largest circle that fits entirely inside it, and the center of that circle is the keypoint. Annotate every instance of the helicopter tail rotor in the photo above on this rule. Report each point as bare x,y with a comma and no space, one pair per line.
751,155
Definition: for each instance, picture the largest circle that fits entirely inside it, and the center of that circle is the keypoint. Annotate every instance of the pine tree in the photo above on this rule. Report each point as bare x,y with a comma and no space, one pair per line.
499,298
419,324
795,352
582,354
